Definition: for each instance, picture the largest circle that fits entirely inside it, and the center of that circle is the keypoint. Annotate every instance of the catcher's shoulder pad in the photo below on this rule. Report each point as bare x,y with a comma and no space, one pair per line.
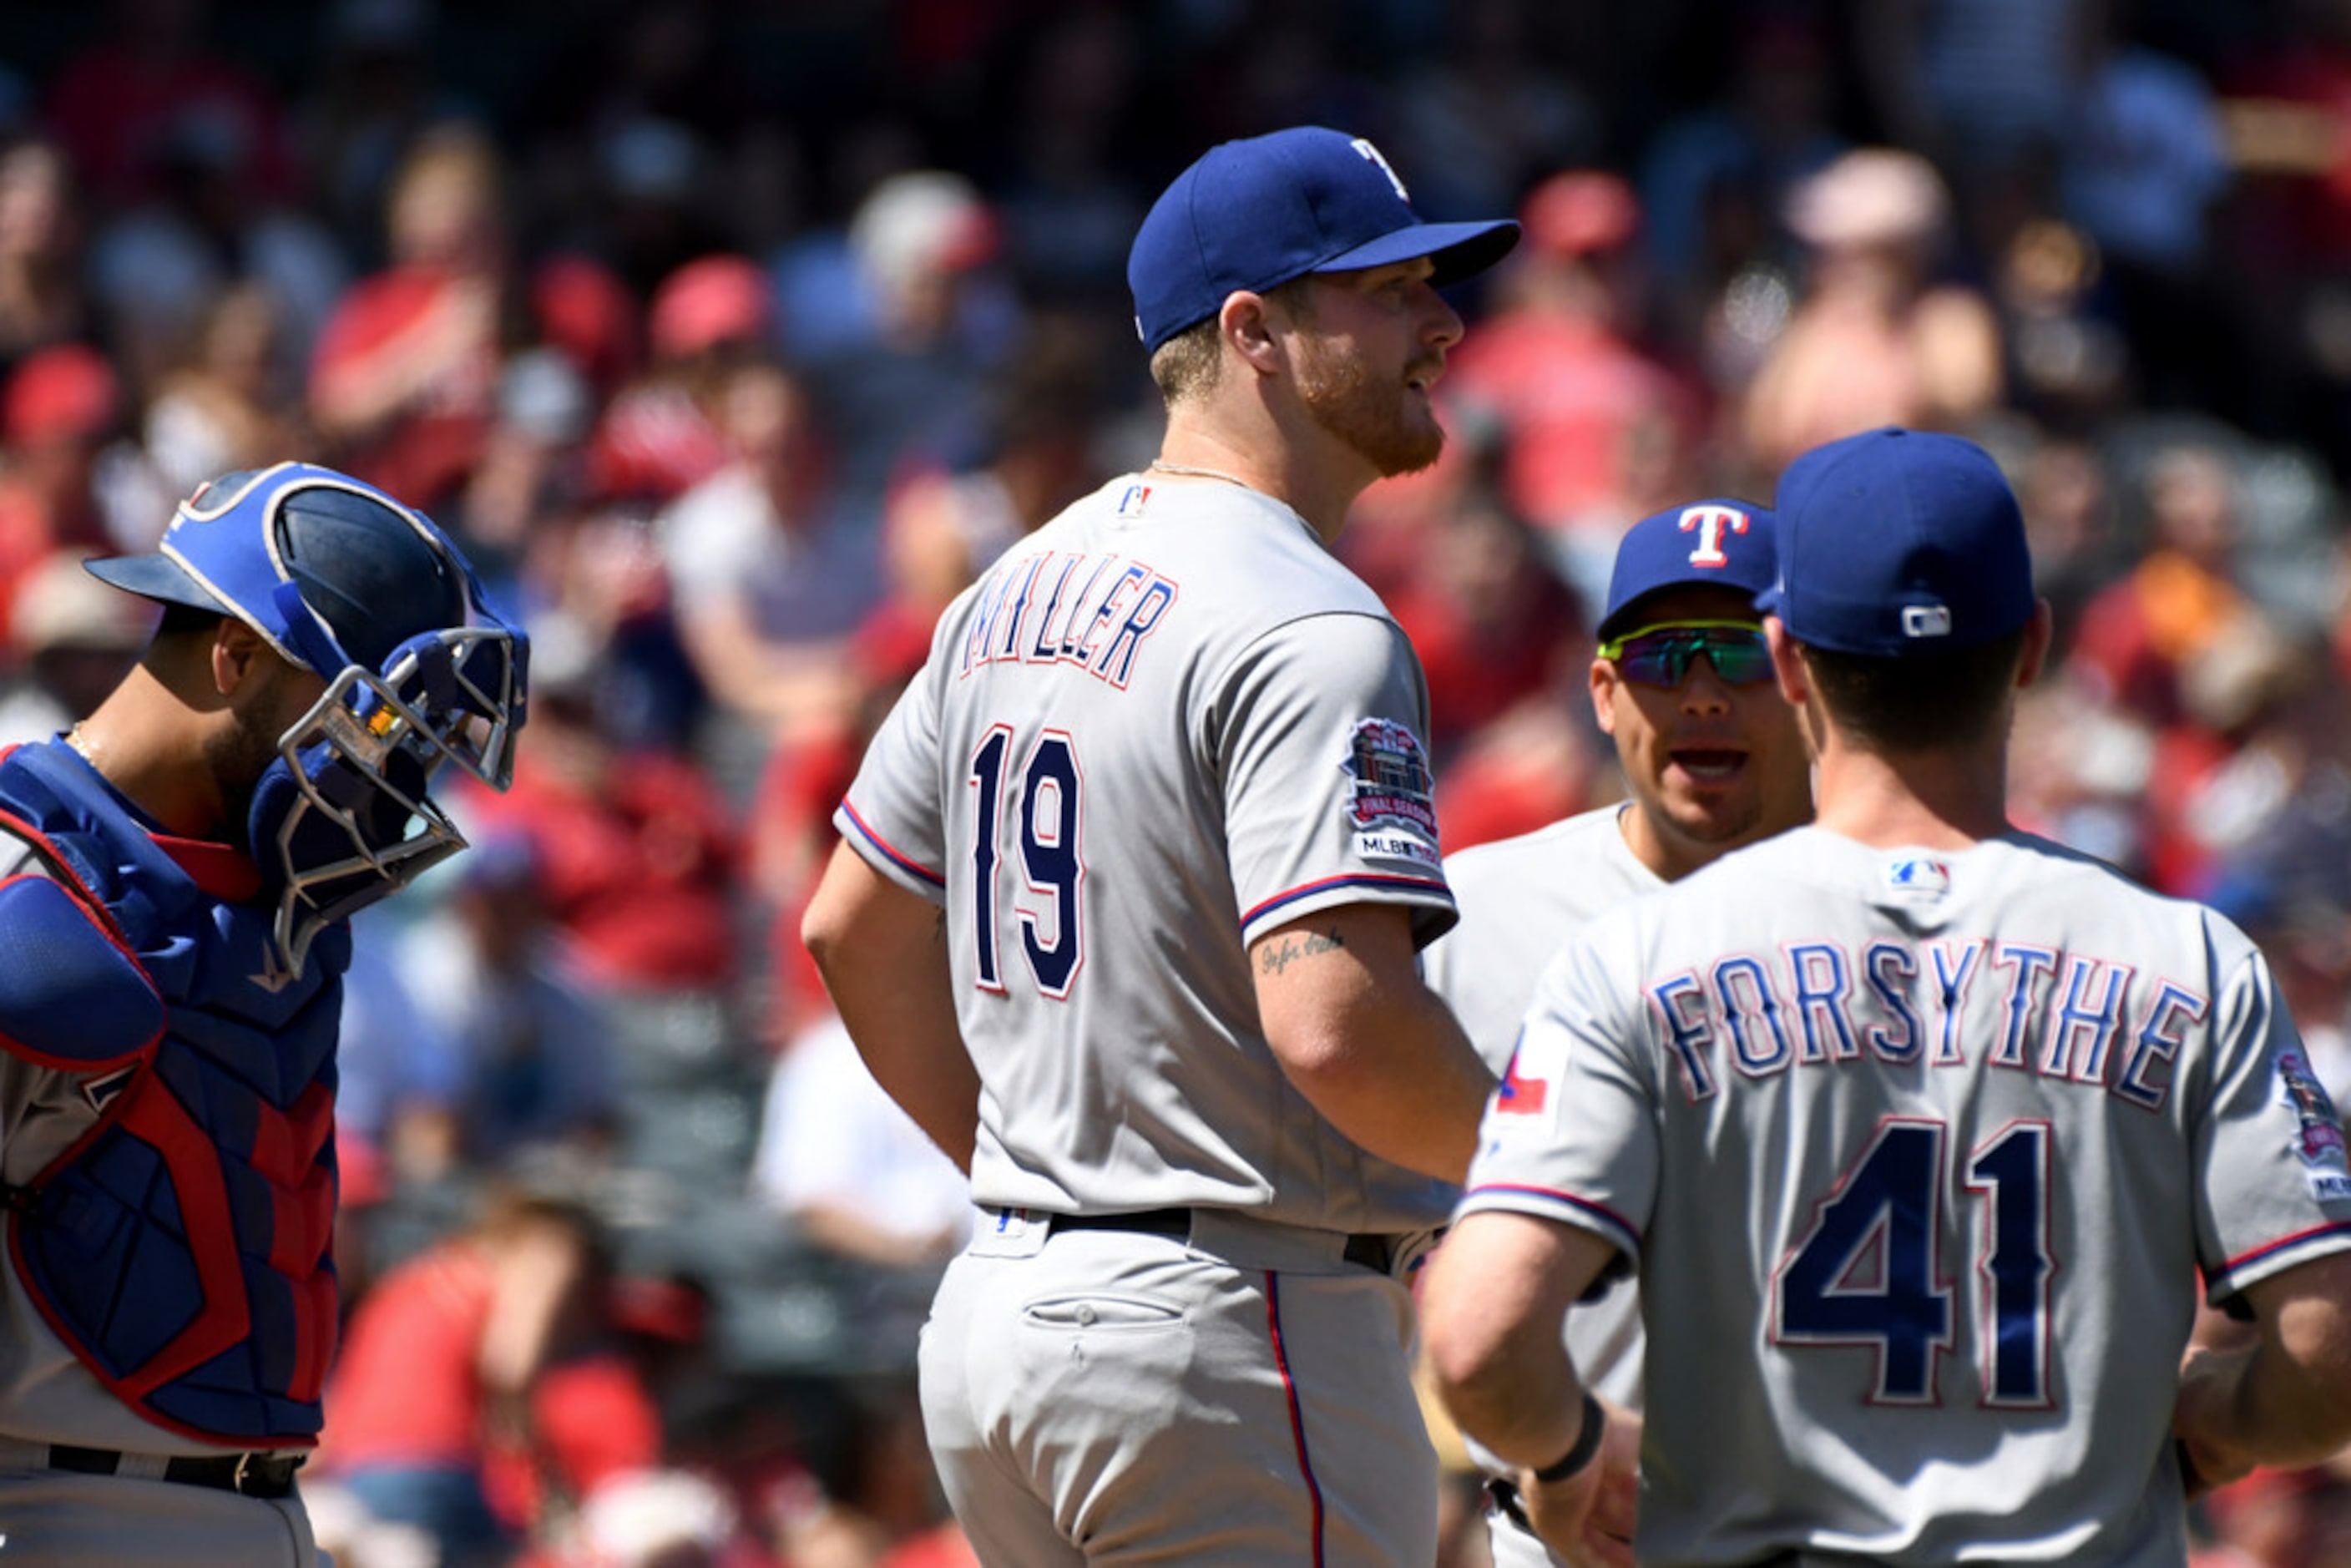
70,997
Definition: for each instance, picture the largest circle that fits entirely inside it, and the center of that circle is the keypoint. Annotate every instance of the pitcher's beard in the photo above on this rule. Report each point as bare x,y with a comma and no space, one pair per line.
1372,418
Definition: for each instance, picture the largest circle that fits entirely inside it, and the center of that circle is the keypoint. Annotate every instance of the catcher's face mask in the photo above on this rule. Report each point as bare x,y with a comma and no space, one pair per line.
342,817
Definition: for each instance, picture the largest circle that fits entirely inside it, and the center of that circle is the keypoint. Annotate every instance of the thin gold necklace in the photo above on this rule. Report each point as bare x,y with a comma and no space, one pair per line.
75,738
1187,469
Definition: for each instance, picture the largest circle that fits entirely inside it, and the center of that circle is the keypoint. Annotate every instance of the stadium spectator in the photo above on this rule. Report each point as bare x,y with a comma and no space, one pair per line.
767,574
636,851
1589,422
57,410
71,639
455,1406
229,407
1874,340
663,434
534,1049
42,297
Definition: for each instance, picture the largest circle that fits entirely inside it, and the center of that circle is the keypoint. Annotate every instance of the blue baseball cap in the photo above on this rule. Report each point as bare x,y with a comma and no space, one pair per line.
1707,544
1897,542
1254,213
330,571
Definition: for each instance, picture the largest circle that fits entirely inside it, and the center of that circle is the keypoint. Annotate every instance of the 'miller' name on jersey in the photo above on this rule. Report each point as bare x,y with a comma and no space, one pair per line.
2066,1017
1063,608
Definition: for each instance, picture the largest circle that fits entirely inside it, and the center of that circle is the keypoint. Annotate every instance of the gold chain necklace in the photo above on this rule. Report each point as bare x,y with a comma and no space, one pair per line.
1191,472
75,738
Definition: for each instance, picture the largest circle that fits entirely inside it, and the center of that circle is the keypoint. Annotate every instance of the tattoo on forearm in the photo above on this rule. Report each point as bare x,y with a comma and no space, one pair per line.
1273,961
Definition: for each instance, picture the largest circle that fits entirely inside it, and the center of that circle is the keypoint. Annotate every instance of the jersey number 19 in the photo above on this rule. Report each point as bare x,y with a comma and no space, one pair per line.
1047,797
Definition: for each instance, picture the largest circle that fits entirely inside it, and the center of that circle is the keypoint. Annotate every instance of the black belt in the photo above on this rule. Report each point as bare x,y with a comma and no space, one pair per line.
1372,1249
257,1474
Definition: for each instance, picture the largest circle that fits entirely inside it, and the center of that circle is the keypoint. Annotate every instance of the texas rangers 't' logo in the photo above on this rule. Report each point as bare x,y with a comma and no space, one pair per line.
1372,154
1711,524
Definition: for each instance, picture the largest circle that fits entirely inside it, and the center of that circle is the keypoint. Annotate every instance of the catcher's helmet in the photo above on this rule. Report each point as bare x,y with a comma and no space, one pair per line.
421,672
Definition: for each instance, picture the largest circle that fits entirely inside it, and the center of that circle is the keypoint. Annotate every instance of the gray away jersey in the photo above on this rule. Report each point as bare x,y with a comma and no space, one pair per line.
1521,900
1163,724
1918,1153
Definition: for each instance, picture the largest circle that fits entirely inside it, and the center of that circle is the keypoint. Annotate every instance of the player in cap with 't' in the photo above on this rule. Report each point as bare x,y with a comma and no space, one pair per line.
1918,1128
1126,914
1681,683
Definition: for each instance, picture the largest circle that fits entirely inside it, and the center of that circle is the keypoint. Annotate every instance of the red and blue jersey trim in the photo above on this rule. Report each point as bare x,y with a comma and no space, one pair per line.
889,851
1613,1227
1372,880
2226,1279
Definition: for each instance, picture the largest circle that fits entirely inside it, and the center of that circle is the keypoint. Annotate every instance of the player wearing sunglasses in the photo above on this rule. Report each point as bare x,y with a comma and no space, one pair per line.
1662,654
1682,684
1712,761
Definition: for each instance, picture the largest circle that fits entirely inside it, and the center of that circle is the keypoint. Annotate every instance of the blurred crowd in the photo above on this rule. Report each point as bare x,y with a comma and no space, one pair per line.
732,337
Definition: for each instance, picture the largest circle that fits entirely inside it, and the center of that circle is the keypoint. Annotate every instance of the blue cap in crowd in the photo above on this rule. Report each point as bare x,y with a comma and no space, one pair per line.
1254,213
1707,544
1897,542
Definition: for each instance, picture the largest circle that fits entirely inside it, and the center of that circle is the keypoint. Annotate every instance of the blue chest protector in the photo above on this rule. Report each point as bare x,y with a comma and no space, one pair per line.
181,1248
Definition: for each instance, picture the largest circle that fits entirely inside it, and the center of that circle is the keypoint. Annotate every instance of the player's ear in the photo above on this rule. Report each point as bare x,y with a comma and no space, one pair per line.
1787,663
237,651
2038,632
1247,326
1604,680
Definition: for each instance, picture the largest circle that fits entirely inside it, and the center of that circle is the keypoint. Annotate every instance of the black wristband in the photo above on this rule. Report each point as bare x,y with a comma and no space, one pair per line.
1587,1443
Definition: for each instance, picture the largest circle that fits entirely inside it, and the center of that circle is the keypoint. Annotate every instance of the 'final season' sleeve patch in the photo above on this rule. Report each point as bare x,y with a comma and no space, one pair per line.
2319,1139
1391,807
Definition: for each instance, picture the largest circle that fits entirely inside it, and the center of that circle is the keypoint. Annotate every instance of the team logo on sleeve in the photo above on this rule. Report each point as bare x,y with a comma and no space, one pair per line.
2321,1139
1516,1096
1391,807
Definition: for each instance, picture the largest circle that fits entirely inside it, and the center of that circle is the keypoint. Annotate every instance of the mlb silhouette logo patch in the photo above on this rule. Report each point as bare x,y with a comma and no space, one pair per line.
1918,876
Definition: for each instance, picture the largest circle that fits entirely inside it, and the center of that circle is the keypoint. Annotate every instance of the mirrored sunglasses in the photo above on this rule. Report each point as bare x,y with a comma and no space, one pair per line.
1660,655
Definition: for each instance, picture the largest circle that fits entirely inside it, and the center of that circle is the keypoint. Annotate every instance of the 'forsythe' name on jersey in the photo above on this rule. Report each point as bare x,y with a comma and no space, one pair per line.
1061,607
2068,1017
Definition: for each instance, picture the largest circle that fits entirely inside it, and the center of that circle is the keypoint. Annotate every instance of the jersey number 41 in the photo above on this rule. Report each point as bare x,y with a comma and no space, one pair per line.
1869,1272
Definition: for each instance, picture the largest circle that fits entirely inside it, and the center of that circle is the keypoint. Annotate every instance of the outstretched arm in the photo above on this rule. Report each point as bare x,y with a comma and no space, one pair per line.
882,953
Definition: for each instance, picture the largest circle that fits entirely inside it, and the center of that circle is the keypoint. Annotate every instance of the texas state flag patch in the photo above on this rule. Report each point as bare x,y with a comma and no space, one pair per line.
1520,1096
